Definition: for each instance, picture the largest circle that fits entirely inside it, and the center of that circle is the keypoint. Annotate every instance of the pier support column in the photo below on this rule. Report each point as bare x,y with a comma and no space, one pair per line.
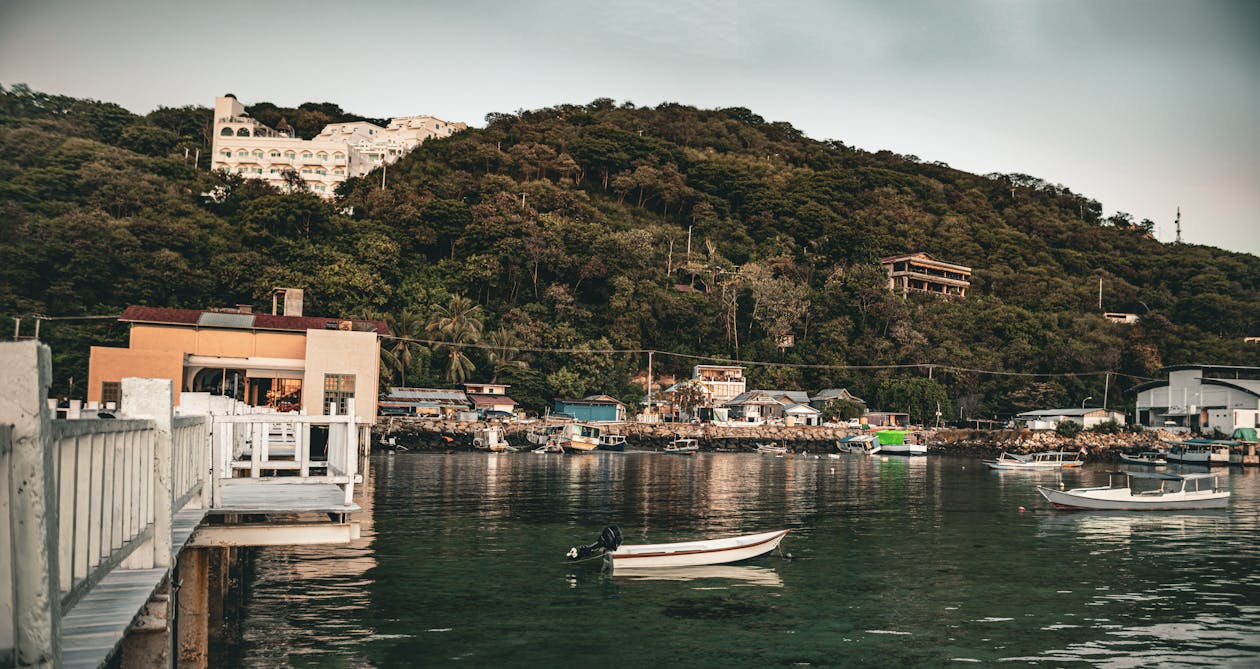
193,609
25,375
148,640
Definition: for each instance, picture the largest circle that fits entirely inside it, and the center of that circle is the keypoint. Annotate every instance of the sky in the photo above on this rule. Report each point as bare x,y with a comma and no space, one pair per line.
1143,105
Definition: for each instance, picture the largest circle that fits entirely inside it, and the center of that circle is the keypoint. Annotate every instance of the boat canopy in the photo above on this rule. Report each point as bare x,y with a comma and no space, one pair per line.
858,438
891,437
1163,476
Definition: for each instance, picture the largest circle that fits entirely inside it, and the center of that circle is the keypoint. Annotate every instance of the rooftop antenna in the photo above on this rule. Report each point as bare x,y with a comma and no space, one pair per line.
1178,225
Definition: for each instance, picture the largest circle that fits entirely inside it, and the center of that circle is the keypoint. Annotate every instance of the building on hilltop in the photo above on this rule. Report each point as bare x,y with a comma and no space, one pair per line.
288,362
246,147
920,273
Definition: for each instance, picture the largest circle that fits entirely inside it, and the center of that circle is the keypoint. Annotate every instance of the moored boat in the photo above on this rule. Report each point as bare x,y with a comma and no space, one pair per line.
578,438
1148,458
1205,452
861,444
1036,461
772,449
893,442
682,446
491,439
682,554
1174,492
611,442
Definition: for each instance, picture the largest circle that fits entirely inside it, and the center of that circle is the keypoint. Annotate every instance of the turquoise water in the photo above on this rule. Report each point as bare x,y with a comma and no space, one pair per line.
893,562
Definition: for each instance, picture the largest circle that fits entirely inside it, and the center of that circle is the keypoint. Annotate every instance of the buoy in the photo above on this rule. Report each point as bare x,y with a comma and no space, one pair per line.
1022,509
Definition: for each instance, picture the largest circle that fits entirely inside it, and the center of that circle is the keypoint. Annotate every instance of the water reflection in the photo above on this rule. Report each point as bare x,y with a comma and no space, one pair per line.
897,561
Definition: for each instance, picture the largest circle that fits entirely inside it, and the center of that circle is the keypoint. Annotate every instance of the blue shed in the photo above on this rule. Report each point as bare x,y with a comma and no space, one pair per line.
596,408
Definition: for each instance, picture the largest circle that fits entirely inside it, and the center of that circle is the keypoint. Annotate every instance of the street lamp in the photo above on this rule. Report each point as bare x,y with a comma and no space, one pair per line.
1086,400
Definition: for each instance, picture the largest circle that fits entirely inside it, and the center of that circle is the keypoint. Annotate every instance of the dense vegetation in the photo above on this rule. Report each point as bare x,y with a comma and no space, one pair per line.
697,232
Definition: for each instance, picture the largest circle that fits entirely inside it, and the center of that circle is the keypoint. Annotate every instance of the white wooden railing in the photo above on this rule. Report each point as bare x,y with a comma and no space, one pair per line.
277,447
103,477
82,498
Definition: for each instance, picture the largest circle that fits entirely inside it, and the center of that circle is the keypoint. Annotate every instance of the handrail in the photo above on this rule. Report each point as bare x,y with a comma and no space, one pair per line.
7,558
103,477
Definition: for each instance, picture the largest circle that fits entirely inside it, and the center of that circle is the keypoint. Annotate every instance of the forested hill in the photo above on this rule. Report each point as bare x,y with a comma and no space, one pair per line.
569,228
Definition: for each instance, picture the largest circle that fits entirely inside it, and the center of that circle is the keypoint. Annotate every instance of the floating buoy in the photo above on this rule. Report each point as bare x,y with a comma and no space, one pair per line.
1022,509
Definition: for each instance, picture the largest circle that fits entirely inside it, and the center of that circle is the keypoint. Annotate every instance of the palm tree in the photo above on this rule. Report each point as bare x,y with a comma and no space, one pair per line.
456,325
398,355
503,352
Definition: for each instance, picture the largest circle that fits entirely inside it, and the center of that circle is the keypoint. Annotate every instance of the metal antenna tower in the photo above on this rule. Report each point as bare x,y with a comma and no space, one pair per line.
1178,225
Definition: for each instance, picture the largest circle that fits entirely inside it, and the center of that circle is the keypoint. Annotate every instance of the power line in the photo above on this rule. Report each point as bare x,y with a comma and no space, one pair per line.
758,363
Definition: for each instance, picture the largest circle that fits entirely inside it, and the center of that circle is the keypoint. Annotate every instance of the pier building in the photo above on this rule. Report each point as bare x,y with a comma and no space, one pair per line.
287,362
1201,398
244,146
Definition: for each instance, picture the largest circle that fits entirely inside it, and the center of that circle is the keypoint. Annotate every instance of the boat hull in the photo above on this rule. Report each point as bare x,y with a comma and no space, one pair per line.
903,449
696,553
615,448
1129,459
1121,499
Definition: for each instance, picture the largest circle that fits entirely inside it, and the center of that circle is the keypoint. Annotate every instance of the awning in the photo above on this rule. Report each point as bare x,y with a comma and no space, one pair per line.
255,367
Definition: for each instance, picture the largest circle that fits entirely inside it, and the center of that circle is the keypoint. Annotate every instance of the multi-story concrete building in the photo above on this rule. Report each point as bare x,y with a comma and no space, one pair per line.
919,272
244,146
1201,398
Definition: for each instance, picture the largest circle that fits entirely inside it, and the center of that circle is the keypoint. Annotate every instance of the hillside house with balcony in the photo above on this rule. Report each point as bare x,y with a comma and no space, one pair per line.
920,273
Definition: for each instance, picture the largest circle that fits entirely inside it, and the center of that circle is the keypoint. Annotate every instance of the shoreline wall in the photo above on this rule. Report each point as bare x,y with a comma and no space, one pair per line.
438,436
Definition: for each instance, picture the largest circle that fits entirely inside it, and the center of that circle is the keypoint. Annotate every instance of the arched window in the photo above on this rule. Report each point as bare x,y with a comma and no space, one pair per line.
306,155
323,156
275,154
226,132
339,156
258,154
226,153
339,172
243,132
290,155
242,153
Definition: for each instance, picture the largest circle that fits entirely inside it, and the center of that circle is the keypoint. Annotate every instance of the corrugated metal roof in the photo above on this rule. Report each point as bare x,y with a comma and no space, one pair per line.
222,320
443,395
138,314
491,400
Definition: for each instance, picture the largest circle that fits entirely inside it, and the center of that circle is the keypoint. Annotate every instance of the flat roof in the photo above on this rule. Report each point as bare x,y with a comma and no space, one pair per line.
240,321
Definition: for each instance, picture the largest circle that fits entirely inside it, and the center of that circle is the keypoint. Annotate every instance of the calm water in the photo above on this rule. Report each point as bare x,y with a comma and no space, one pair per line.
894,562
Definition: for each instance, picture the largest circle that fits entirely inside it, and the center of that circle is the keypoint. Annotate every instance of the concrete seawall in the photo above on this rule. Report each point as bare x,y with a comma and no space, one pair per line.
428,435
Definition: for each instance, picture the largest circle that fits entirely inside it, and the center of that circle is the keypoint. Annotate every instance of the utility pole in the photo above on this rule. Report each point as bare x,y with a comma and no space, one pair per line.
1178,225
1106,389
649,381
1100,293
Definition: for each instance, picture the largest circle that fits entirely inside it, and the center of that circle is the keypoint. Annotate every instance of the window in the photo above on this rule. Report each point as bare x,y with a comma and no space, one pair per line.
226,132
306,171
306,155
275,171
290,155
243,132
111,392
323,156
339,172
258,154
242,153
274,154
337,389
226,153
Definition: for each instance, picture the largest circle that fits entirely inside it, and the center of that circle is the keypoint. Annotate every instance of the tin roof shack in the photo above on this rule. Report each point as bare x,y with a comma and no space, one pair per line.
761,405
1201,398
489,397
594,409
887,419
289,362
443,403
1049,419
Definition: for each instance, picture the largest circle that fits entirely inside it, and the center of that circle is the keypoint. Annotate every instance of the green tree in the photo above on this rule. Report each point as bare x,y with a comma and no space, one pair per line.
399,354
456,325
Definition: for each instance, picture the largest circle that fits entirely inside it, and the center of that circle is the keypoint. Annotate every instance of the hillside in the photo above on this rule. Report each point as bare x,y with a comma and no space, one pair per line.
568,228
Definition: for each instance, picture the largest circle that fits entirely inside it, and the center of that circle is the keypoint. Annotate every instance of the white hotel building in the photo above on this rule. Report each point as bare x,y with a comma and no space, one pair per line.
246,147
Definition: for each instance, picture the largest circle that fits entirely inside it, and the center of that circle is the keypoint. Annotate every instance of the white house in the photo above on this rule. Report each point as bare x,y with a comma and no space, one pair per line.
1201,398
1049,419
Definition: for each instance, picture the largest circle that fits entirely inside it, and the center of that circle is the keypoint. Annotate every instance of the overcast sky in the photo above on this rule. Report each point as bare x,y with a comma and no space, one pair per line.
1144,105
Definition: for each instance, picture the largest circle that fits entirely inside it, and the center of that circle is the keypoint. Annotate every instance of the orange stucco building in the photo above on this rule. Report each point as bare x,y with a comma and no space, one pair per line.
287,362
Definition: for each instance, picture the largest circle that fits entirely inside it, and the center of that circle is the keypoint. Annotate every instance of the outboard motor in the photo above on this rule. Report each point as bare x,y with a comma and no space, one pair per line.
609,540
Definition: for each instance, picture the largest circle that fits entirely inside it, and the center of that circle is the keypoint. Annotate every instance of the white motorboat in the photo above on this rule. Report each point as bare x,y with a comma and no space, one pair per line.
893,442
682,446
682,554
1172,491
1148,458
771,449
1036,461
1206,452
491,439
611,442
861,444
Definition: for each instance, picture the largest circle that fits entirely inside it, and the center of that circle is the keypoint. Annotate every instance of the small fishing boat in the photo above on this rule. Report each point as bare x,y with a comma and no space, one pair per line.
544,435
1173,492
611,442
1148,458
1206,452
683,554
547,448
682,446
861,444
772,449
578,438
893,442
491,439
1036,461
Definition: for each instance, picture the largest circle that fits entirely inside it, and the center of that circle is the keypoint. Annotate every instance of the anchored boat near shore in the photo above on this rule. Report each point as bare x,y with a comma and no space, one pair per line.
1036,461
682,554
1172,492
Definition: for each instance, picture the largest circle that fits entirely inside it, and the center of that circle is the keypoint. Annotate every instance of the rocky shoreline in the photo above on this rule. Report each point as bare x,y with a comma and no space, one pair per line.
439,436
